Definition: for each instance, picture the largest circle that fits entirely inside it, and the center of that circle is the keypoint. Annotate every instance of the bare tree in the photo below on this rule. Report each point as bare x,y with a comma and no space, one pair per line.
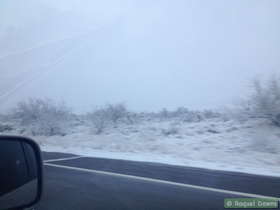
265,100
117,112
43,117
99,119
110,115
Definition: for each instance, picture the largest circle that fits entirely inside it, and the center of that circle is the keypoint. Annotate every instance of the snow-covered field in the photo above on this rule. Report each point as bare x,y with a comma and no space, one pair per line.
252,146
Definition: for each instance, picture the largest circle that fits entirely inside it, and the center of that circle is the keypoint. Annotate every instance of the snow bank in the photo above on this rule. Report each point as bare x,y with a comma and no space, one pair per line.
250,147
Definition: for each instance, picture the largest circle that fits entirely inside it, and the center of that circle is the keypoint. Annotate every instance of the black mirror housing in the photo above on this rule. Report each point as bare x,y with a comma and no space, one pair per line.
21,177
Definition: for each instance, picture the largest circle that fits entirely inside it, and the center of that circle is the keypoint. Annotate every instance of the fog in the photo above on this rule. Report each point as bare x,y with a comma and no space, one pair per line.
147,54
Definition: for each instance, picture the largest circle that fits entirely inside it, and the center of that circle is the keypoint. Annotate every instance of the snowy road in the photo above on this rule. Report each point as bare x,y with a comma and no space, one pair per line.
74,182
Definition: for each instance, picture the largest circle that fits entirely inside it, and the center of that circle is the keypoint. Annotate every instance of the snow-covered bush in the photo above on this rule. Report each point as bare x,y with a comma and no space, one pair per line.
192,116
185,115
116,112
110,115
43,117
265,100
209,114
164,114
170,131
99,119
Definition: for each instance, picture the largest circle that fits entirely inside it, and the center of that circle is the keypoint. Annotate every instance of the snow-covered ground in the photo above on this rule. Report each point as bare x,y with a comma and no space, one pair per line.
252,146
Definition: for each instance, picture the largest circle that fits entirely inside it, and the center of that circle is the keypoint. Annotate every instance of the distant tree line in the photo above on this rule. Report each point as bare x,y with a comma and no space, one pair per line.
45,117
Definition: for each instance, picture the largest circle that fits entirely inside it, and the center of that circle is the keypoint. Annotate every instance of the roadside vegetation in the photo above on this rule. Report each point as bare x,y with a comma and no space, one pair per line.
46,117
264,102
42,117
245,138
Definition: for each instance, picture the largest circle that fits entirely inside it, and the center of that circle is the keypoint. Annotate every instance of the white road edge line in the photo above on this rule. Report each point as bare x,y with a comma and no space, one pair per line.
163,182
61,159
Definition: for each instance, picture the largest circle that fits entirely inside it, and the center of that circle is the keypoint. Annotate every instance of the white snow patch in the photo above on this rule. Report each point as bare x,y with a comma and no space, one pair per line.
251,147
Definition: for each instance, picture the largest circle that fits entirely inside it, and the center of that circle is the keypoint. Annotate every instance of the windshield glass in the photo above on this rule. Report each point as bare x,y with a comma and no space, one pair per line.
181,83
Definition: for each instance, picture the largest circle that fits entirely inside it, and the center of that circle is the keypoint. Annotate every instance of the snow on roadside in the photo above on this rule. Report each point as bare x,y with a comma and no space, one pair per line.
250,147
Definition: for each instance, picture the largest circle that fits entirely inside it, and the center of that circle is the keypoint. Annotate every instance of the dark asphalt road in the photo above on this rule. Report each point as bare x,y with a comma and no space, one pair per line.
67,189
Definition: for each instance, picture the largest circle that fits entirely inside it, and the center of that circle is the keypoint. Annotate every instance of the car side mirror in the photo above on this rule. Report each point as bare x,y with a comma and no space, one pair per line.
21,177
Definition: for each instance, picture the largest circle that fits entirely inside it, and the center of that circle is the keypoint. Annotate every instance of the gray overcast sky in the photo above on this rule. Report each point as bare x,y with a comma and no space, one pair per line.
148,54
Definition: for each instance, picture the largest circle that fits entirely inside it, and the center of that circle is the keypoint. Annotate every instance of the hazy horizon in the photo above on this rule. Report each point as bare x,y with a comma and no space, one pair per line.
148,55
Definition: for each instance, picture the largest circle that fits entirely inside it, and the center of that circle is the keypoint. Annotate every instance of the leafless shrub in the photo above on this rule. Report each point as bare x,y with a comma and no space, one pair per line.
99,119
116,112
185,115
43,117
170,131
265,101
111,115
